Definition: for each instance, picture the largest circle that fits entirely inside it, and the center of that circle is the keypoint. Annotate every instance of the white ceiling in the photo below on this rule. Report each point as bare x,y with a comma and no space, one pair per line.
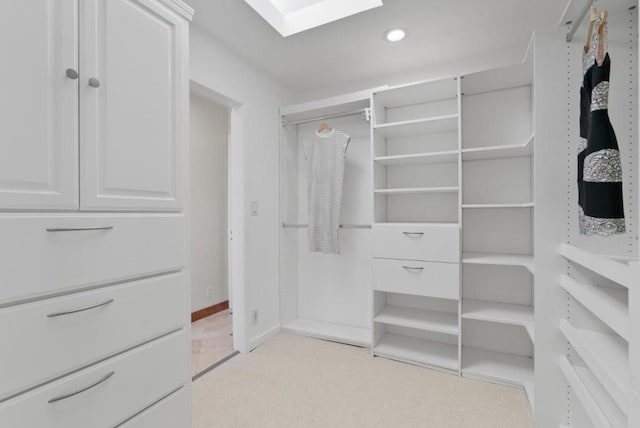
353,48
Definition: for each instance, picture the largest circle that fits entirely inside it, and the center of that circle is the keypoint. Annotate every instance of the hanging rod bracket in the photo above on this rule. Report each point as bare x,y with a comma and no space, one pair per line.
367,114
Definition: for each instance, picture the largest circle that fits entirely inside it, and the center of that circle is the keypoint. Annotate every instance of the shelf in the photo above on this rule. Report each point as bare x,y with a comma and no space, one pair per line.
326,107
418,158
605,266
440,322
416,93
417,351
498,206
498,79
608,304
499,152
499,367
607,357
522,260
503,313
334,332
417,190
599,408
412,128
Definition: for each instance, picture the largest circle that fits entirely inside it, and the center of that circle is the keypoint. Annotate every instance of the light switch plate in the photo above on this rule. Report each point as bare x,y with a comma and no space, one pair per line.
254,208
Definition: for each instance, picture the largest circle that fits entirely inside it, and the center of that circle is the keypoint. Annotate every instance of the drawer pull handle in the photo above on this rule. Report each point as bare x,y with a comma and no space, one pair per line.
418,234
413,268
75,311
78,229
80,391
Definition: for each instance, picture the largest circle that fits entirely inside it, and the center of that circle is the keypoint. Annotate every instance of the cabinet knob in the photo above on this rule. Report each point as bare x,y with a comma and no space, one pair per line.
94,83
71,73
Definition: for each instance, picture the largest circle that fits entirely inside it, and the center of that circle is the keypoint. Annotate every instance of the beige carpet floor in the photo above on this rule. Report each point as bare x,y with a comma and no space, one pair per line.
294,381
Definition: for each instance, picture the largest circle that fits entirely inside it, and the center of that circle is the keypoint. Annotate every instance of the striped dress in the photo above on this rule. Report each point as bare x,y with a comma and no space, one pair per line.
325,153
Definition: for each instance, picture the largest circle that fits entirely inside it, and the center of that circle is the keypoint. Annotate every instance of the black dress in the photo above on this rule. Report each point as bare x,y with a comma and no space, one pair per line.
599,168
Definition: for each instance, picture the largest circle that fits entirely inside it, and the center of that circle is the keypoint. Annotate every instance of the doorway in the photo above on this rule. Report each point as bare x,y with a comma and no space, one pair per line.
211,311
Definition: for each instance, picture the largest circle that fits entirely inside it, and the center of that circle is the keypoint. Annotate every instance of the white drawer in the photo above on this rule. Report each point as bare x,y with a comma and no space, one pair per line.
37,262
137,379
38,347
441,280
428,242
171,412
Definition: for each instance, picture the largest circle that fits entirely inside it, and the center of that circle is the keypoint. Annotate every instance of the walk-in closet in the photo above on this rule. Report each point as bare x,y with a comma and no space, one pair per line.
363,213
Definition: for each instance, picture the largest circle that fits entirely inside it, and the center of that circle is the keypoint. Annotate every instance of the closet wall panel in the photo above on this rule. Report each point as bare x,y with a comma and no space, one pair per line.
572,394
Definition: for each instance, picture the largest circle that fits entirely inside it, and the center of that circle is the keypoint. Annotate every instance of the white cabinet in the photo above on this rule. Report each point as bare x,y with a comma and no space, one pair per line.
133,114
93,131
93,105
39,105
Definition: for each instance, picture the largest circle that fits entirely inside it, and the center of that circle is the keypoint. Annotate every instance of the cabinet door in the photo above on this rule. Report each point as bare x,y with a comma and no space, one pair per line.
38,105
133,105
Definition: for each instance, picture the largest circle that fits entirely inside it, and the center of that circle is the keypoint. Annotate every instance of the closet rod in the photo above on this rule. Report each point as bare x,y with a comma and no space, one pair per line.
366,112
342,226
577,22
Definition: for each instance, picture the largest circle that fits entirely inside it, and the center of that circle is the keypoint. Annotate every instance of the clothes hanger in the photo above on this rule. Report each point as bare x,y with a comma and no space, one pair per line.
602,39
325,127
592,21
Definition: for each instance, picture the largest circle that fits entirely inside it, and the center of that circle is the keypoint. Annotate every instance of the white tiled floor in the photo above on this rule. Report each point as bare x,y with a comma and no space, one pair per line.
211,340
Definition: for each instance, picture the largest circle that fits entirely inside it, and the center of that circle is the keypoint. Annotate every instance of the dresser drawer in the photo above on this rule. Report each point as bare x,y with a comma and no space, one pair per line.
41,340
171,412
39,256
112,391
436,243
441,280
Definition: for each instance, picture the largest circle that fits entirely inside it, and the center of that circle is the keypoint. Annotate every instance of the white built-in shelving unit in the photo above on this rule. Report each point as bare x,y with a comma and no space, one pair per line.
586,321
498,145
416,164
456,153
598,369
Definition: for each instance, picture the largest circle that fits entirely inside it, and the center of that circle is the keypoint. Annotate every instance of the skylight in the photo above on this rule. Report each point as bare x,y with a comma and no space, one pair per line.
293,16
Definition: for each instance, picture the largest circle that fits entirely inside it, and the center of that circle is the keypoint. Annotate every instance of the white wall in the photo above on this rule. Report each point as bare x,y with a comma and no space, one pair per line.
208,169
255,175
483,61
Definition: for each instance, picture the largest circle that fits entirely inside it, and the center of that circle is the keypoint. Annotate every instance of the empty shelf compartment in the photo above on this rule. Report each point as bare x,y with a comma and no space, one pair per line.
421,319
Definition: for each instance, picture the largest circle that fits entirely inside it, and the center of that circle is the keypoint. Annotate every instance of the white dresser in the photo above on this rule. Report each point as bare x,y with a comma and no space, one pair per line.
94,312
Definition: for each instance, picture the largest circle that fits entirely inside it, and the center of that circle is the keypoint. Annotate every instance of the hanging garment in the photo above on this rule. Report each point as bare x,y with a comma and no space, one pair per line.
325,153
600,196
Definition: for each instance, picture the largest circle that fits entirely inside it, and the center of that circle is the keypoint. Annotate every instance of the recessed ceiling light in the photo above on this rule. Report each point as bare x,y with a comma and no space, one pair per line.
395,34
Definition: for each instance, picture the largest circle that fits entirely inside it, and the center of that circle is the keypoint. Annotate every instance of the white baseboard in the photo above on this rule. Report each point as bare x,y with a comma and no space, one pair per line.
259,340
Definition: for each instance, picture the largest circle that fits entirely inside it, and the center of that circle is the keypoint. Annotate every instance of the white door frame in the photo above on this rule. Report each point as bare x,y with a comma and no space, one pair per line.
235,212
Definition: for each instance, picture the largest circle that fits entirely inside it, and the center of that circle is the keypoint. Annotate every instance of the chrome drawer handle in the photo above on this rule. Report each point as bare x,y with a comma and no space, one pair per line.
75,311
80,391
419,234
78,229
413,268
